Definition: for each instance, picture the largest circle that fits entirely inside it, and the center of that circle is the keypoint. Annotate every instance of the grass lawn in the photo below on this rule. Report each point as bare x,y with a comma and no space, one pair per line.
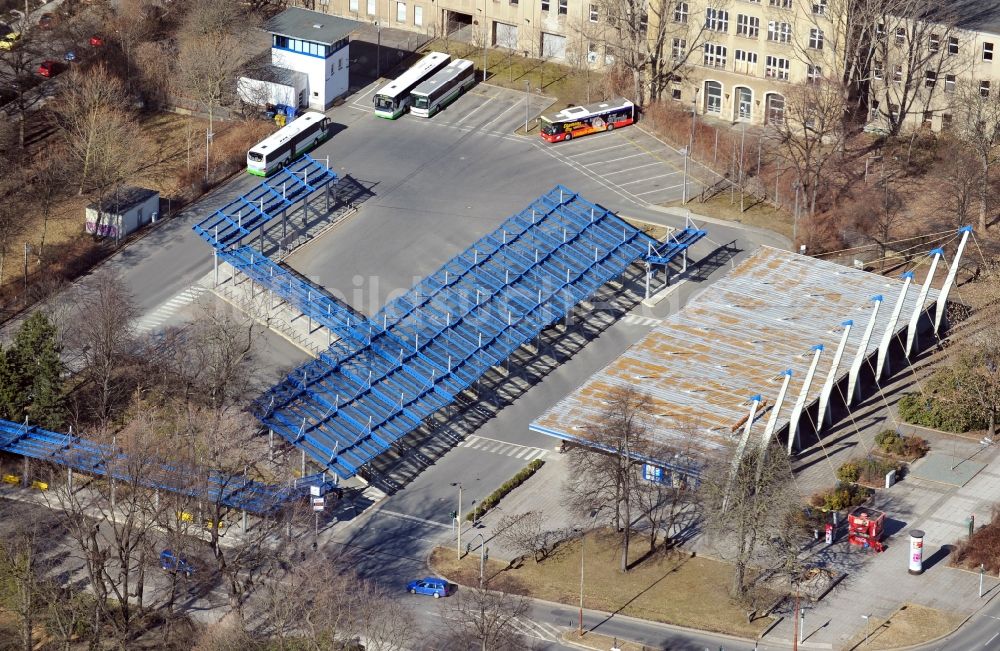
761,215
910,625
675,589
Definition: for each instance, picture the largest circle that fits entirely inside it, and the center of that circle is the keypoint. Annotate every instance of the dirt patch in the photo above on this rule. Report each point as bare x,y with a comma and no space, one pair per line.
910,625
648,591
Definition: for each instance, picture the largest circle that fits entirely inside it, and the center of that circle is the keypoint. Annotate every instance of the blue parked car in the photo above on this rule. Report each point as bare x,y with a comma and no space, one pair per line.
169,562
429,586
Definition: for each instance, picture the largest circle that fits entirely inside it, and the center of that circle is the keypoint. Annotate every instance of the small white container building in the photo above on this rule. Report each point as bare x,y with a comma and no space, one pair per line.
122,212
314,48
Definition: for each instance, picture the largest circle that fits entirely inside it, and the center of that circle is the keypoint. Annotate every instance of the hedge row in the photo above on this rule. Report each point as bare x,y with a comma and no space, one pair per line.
930,412
494,498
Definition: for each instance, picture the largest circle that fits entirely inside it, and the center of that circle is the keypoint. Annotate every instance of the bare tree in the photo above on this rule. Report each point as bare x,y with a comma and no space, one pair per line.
19,565
746,504
605,472
484,618
524,533
653,42
977,126
104,337
17,71
668,505
916,44
811,136
132,22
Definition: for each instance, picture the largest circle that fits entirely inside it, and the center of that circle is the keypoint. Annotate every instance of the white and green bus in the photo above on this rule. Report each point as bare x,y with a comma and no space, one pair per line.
440,90
391,100
288,143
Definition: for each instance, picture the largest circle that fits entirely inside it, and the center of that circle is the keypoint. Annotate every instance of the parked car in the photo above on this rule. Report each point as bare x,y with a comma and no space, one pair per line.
430,586
8,41
69,57
96,41
48,68
170,562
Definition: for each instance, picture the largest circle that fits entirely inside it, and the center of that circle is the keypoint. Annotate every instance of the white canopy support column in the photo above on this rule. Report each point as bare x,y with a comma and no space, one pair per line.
883,346
950,280
918,309
823,415
793,423
772,420
859,358
741,447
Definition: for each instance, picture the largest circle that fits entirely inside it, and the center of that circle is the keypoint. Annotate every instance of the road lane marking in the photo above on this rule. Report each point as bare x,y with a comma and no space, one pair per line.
413,518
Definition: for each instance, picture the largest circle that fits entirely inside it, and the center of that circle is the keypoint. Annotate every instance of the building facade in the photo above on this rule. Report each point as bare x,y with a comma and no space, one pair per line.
549,29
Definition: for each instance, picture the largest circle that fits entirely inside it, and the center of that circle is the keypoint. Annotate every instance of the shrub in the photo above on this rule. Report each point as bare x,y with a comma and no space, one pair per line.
910,447
494,498
843,496
849,472
929,411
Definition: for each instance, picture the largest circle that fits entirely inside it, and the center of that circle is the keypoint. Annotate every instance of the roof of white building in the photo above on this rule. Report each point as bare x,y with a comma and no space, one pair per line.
311,26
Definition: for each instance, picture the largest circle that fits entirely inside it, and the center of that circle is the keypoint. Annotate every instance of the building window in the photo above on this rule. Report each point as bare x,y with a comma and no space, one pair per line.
748,26
563,7
717,20
513,3
900,35
814,74
715,55
675,93
713,97
746,61
593,13
678,49
372,7
340,64
949,83
930,78
984,89
819,7
876,69
354,6
933,42
418,15
776,68
744,103
945,121
816,38
681,12
987,51
880,30
928,117
897,74
784,4
592,52
775,109
952,45
400,12
545,5
779,32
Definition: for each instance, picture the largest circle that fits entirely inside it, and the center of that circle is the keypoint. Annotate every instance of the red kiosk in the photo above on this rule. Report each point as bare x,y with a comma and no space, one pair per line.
865,527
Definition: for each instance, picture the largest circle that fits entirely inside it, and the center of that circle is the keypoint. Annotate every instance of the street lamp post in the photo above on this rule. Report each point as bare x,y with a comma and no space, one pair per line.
687,150
482,556
867,619
579,630
486,37
458,521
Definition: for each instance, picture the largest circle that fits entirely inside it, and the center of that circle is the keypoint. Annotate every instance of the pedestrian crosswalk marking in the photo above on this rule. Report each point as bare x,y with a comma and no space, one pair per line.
168,308
525,452
635,319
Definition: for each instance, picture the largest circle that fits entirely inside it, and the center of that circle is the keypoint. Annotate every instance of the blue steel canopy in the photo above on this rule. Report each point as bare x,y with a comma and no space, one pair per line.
95,458
425,347
242,216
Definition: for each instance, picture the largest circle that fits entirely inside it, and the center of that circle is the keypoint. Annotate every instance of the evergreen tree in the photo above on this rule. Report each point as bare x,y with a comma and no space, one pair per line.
35,368
9,389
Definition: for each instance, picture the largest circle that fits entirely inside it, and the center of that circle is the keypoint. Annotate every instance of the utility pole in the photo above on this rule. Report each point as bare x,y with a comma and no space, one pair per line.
458,522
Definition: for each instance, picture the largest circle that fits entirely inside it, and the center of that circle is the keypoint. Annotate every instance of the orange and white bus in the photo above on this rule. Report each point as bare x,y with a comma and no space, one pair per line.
579,121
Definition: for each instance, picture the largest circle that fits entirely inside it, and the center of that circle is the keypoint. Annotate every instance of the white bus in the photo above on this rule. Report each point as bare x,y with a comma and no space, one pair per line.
391,99
288,143
440,90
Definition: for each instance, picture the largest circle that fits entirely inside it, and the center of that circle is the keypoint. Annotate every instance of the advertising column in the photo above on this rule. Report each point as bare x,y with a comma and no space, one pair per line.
916,551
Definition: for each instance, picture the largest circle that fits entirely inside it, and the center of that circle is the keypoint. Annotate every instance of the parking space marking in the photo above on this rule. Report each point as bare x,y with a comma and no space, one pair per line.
615,160
594,151
649,178
493,121
368,90
672,187
632,169
474,111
